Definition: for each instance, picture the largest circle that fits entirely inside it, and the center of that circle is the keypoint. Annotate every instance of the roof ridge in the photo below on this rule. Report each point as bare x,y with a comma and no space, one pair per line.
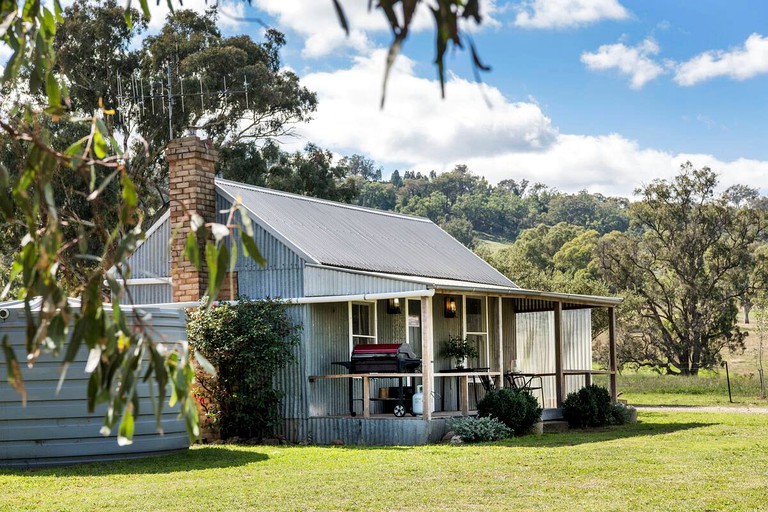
328,202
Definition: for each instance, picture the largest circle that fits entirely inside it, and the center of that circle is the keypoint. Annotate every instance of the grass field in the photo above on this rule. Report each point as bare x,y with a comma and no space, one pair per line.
708,389
668,461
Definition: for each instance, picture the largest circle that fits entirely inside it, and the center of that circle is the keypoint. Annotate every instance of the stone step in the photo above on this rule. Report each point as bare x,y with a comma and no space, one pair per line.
555,426
551,414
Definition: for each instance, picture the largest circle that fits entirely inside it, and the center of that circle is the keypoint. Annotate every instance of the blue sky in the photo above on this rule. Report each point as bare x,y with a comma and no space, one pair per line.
603,95
598,94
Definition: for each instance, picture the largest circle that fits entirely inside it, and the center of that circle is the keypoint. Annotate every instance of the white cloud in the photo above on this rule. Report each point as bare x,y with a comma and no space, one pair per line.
514,139
738,64
416,124
632,61
611,165
567,13
231,12
318,23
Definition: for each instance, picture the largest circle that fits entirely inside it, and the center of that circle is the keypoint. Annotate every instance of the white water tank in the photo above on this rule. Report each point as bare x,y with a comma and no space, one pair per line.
57,429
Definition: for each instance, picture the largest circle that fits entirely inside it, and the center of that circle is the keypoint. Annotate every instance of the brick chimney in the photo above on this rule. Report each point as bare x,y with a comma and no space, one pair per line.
191,163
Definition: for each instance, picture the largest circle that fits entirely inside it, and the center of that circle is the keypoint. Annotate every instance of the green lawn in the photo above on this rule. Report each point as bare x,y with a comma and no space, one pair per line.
708,389
668,461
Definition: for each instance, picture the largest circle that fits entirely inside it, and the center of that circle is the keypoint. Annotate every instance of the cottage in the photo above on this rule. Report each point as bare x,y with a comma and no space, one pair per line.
361,276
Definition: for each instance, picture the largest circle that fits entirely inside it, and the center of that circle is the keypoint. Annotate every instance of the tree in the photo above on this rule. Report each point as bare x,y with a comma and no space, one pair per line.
231,88
376,194
436,206
395,179
557,258
101,32
460,229
686,257
310,173
540,244
246,94
358,165
577,256
592,211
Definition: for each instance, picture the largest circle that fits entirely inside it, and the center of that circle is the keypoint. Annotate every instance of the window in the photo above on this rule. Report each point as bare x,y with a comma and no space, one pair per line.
413,325
476,328
475,315
363,323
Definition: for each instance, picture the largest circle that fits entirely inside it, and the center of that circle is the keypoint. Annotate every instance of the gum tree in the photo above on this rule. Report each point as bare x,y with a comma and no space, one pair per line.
687,257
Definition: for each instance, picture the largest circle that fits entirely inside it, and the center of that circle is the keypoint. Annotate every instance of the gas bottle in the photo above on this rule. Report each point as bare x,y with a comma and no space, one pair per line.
418,400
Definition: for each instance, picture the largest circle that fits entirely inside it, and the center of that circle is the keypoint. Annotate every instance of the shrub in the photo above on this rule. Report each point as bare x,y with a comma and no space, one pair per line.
459,349
588,407
620,414
247,343
516,408
478,429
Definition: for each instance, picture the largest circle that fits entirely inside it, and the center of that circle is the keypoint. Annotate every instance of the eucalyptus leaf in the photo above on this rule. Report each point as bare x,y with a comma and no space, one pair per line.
125,433
251,249
219,231
13,370
100,147
205,364
192,250
52,89
94,358
196,222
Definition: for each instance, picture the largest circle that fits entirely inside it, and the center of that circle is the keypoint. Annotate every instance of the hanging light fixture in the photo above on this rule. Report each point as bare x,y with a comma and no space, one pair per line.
450,307
393,306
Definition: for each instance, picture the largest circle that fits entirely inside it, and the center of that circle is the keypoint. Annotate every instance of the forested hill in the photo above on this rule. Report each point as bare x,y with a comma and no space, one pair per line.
460,201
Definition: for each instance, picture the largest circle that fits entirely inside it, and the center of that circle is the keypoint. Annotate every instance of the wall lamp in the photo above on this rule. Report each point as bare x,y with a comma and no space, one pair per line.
394,307
450,307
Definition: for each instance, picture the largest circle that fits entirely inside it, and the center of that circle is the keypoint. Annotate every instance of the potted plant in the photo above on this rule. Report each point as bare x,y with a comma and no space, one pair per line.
459,349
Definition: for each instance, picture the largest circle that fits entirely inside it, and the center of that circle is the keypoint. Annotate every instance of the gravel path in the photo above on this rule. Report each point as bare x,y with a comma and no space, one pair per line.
676,408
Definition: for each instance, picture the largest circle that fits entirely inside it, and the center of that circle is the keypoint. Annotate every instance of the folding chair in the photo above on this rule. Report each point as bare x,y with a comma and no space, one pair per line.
525,382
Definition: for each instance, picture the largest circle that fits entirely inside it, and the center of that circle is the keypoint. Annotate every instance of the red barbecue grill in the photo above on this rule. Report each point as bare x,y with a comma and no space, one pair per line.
382,358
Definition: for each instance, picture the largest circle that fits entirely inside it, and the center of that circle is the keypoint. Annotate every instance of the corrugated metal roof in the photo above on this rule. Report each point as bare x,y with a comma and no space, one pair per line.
353,237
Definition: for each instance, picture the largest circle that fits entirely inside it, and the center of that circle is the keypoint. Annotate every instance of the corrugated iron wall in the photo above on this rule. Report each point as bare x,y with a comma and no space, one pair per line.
376,431
283,274
327,341
54,429
150,294
292,380
153,257
391,327
536,347
323,281
274,283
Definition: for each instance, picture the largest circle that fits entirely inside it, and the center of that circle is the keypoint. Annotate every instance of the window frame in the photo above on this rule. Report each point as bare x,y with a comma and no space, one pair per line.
374,317
485,320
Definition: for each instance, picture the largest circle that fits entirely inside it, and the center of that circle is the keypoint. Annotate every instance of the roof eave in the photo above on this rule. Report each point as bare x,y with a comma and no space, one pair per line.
448,285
